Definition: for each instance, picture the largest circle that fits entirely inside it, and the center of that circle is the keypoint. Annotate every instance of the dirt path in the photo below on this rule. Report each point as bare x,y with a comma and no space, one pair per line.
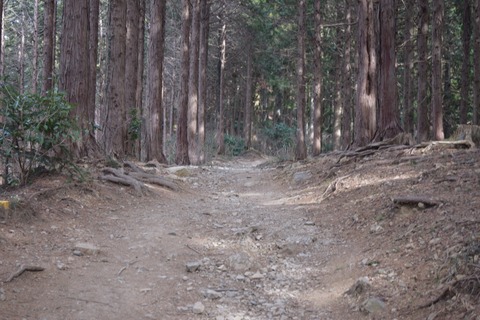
243,241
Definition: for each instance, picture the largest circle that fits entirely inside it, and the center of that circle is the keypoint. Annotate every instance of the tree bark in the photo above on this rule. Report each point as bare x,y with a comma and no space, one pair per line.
154,107
301,148
317,92
346,76
114,121
1,38
140,72
192,133
247,125
35,48
366,100
466,41
422,40
437,43
48,45
74,65
202,80
221,102
476,67
94,7
409,114
181,156
389,125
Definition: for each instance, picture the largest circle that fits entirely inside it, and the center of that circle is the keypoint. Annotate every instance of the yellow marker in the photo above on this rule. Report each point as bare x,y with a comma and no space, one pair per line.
5,204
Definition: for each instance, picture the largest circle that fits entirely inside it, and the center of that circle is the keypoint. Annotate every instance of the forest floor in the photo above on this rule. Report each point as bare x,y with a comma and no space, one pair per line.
390,235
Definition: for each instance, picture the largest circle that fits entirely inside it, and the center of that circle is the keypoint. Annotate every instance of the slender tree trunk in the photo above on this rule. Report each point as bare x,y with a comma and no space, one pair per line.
94,7
48,45
366,100
74,65
193,84
153,104
389,125
409,114
437,43
131,73
346,76
35,48
21,53
202,81
114,122
476,67
317,91
465,80
140,71
2,43
181,156
247,122
221,103
301,149
422,112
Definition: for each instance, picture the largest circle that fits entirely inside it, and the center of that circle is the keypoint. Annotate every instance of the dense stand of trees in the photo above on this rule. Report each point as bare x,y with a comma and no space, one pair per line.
178,81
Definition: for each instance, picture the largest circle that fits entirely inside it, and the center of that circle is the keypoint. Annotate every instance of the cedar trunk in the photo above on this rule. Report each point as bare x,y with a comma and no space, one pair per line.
202,80
301,149
422,111
48,41
437,98
409,115
466,40
221,89
247,126
317,92
476,67
346,79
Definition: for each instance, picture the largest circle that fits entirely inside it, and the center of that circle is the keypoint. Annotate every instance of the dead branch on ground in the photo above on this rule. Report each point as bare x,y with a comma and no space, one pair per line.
22,269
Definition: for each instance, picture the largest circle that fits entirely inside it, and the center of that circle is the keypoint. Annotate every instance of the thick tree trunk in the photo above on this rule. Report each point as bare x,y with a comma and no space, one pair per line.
140,72
48,45
317,91
389,125
202,80
192,133
94,7
366,100
301,148
476,67
422,111
181,156
437,43
131,72
114,121
409,114
74,65
466,40
153,144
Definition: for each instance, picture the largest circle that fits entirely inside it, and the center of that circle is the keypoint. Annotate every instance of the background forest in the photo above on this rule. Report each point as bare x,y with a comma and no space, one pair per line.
180,81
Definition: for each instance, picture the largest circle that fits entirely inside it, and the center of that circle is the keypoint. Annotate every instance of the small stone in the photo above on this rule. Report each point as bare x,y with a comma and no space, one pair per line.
257,276
359,287
240,278
212,294
86,248
193,266
61,265
434,241
2,295
421,205
77,253
240,262
309,223
198,308
302,176
373,305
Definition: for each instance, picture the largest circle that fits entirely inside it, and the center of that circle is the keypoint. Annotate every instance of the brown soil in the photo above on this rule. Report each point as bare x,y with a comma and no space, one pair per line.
264,240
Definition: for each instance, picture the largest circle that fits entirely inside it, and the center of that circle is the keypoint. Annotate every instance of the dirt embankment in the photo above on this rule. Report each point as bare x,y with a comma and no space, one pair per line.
386,235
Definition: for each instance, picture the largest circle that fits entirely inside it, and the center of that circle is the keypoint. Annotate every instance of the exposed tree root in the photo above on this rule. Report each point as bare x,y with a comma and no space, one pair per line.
414,201
22,269
117,176
148,178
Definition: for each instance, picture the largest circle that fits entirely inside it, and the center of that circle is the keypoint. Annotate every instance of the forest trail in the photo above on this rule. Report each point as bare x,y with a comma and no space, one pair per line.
242,240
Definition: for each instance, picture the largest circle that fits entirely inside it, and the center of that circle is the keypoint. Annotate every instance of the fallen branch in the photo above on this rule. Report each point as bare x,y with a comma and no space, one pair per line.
414,201
148,178
22,269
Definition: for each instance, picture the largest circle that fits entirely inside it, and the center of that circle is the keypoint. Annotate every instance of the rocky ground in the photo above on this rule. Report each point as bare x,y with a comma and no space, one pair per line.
393,234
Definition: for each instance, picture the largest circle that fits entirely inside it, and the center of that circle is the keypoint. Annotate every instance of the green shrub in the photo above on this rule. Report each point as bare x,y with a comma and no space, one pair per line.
234,146
35,133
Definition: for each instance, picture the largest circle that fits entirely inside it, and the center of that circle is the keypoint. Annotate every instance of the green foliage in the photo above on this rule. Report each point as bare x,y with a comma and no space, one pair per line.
36,132
280,136
234,146
134,126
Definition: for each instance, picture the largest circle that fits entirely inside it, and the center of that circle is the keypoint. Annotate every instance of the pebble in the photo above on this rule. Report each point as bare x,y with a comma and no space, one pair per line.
212,294
83,248
193,266
2,295
198,308
373,305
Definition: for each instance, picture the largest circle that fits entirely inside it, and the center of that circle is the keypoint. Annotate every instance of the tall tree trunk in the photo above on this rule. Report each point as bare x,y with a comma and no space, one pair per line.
131,73
437,43
346,76
247,122
35,48
366,100
317,92
476,67
140,71
181,156
389,125
74,65
409,114
48,44
221,103
153,104
466,40
114,121
21,52
202,80
2,53
94,7
192,133
422,111
301,148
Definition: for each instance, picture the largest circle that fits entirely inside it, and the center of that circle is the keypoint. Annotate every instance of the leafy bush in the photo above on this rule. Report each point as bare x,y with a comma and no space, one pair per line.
35,133
234,146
